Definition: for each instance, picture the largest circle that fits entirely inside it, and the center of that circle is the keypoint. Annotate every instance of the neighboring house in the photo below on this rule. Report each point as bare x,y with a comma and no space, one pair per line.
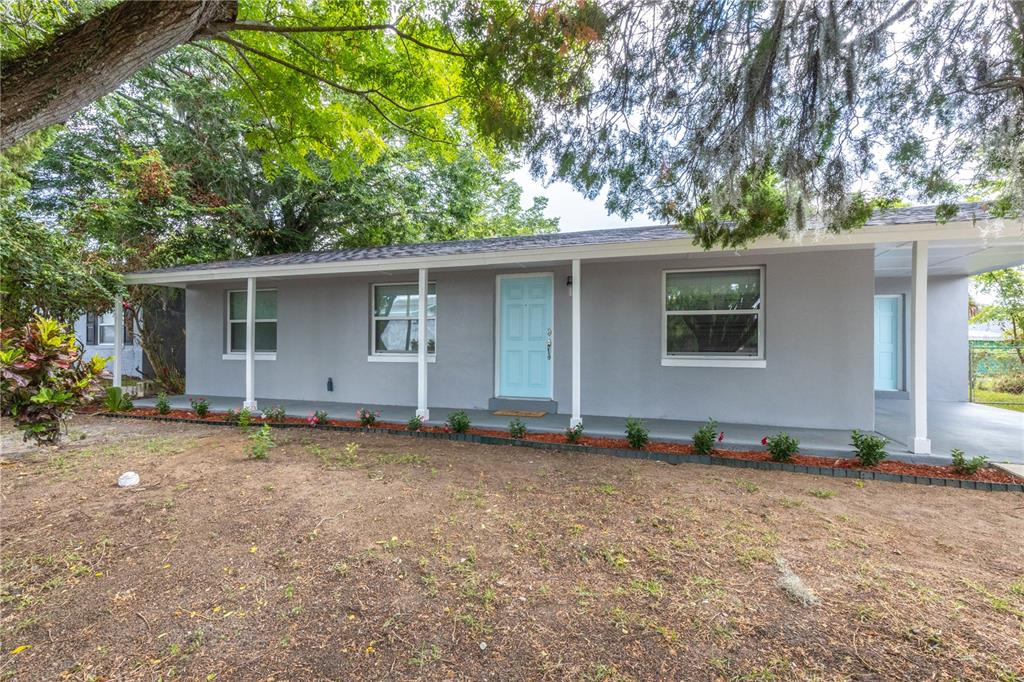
97,334
634,321
986,331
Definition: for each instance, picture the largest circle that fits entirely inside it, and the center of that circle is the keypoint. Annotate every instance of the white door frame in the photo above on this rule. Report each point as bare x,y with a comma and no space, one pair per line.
901,348
497,333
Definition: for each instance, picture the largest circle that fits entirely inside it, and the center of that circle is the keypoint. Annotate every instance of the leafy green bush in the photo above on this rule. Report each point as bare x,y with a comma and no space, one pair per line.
415,423
275,414
231,416
636,433
1012,383
260,443
704,438
367,417
782,446
870,449
201,406
574,433
516,428
242,417
163,405
116,400
458,422
318,418
43,377
967,467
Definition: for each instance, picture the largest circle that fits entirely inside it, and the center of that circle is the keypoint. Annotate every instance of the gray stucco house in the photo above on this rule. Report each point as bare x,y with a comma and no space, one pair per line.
812,332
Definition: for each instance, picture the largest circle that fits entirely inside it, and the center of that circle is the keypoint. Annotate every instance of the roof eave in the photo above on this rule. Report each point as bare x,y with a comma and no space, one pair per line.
865,236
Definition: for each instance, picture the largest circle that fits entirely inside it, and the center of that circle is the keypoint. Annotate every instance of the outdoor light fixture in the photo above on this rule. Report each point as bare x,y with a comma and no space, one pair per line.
330,384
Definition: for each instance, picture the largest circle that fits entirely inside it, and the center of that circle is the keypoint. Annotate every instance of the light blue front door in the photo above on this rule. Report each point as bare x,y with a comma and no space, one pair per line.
524,337
888,349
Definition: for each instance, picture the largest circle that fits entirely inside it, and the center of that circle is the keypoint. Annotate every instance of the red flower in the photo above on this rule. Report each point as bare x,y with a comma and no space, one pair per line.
764,441
721,436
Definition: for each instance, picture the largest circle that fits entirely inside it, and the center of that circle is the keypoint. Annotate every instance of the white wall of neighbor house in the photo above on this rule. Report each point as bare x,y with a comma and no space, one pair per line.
817,343
948,364
131,361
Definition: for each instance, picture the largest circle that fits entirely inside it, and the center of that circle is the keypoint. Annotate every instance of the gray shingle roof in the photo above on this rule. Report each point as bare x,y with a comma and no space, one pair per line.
895,216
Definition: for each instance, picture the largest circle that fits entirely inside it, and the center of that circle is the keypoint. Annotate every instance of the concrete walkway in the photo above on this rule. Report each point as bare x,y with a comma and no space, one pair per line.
976,431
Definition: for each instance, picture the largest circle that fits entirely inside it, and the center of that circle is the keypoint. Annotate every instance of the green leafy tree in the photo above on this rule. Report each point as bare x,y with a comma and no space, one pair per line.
1007,307
744,118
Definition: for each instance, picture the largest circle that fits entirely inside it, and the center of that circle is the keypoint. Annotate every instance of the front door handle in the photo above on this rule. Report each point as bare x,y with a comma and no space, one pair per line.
549,349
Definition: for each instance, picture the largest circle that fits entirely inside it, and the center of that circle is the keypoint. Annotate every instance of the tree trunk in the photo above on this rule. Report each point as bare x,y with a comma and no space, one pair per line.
92,59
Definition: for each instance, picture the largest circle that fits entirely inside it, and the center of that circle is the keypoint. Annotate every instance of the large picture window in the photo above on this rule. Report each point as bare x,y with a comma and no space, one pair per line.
395,324
266,321
714,314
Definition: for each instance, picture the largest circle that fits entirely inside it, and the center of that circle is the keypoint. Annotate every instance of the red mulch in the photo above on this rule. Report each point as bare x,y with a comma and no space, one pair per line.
988,474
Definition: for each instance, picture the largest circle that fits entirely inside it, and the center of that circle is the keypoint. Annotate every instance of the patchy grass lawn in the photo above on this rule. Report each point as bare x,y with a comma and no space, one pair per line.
397,558
1007,401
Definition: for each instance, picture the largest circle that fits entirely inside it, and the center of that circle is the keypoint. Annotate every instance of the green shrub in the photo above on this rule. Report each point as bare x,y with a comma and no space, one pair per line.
636,433
244,418
275,414
116,400
367,417
318,418
458,422
574,433
232,416
201,406
415,423
870,449
43,377
516,428
704,438
1012,383
260,443
782,446
967,467
163,405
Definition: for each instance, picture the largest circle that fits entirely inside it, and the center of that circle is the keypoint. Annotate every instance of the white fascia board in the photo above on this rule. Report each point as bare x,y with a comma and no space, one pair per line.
964,230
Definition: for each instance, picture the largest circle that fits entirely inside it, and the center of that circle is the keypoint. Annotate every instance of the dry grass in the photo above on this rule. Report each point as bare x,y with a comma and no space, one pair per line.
355,557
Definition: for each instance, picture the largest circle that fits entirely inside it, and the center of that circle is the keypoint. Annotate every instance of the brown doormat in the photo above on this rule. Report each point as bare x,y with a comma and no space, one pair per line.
518,413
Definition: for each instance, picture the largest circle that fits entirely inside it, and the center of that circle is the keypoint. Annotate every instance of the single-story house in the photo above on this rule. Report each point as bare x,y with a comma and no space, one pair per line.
805,332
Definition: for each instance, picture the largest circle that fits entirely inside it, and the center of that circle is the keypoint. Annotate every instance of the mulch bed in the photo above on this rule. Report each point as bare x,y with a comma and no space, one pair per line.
894,467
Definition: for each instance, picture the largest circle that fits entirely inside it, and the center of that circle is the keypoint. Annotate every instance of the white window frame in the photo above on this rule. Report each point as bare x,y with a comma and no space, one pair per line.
403,356
240,355
713,359
101,322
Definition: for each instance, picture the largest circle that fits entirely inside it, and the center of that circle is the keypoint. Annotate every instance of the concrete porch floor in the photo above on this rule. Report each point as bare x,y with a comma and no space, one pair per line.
976,429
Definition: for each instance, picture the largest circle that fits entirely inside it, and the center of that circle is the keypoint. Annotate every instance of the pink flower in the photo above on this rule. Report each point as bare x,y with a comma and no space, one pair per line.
721,436
764,441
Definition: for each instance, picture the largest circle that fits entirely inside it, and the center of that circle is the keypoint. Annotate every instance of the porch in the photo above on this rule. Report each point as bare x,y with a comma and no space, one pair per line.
978,429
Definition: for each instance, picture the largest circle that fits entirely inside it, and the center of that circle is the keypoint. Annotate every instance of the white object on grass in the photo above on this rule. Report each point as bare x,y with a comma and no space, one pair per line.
128,479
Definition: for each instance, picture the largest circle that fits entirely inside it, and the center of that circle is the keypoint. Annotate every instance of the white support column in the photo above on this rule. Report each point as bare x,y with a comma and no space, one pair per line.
118,340
577,418
250,346
421,349
919,442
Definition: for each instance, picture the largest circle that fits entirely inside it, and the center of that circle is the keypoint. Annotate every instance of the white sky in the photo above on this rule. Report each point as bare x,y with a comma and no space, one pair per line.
573,210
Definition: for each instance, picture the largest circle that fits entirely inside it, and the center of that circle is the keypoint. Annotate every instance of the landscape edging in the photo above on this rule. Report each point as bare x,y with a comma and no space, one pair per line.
835,472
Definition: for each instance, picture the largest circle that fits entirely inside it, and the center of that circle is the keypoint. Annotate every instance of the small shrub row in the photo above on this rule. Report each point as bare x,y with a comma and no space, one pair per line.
781,446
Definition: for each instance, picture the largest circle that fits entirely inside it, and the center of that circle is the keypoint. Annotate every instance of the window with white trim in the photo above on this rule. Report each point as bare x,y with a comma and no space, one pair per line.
395,324
713,314
266,321
105,325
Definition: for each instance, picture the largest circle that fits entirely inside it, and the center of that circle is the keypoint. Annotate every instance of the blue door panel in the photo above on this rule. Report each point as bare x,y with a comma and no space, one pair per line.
525,331
887,343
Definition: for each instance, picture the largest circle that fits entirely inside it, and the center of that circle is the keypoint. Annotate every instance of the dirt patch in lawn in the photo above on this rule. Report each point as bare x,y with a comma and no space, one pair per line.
367,556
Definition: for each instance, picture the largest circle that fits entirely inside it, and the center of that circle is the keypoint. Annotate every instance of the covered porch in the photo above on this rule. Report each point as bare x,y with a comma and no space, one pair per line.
998,434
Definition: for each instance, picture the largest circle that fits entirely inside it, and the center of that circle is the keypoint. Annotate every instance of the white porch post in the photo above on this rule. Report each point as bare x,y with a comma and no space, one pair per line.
118,339
919,442
250,346
421,349
577,418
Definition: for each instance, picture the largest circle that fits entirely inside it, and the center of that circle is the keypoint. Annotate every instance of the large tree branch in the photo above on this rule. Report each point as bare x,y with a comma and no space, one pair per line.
271,28
92,59
363,94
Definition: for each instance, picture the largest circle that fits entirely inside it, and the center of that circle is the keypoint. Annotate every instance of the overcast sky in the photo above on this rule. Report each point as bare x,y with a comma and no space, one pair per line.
571,208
